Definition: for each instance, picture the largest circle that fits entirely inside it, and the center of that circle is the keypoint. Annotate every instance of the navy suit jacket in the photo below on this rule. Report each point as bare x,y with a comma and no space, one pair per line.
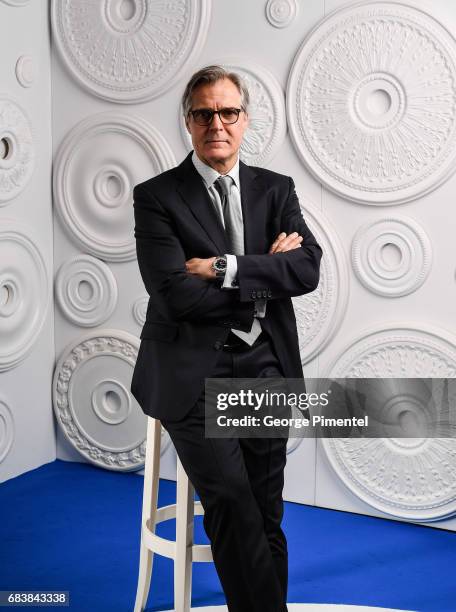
188,318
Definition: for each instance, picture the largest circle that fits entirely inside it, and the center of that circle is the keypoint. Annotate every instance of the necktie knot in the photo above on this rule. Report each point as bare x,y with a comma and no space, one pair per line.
223,185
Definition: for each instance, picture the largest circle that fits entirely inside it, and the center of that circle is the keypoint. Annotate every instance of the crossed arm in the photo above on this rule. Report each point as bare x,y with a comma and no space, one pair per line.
203,267
290,268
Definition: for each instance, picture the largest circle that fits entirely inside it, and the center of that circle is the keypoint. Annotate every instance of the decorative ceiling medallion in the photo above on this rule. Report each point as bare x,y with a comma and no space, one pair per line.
25,71
398,352
24,292
16,2
319,314
129,51
6,429
293,444
391,256
86,290
267,122
140,309
371,102
98,164
17,153
411,478
281,13
93,403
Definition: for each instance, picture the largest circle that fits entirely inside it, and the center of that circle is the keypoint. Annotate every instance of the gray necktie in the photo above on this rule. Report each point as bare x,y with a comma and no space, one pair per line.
234,228
232,216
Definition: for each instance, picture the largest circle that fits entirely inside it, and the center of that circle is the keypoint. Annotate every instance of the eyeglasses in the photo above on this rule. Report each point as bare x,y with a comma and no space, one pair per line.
204,116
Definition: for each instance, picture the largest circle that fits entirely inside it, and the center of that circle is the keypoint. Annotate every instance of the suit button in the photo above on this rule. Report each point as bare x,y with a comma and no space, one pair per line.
265,293
253,294
269,293
218,345
234,283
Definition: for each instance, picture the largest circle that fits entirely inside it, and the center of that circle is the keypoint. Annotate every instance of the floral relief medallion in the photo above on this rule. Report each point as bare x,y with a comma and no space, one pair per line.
93,403
319,313
371,102
129,50
17,149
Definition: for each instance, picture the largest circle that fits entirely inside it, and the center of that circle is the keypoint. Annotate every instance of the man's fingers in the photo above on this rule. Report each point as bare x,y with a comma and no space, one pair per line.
297,243
290,242
191,264
283,248
280,237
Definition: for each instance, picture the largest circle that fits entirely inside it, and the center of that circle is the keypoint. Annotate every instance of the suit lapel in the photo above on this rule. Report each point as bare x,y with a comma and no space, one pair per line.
193,191
253,210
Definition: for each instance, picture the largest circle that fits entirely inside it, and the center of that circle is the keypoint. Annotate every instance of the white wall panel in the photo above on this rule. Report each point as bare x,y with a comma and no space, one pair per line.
389,252
428,305
27,429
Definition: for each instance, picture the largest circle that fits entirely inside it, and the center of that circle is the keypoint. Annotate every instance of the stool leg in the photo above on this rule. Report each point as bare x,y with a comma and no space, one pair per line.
184,542
149,508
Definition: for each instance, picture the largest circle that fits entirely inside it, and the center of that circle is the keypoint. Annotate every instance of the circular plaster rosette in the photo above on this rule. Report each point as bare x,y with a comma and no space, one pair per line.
86,290
129,51
140,309
281,13
7,431
93,403
319,314
17,151
392,256
267,120
371,102
97,166
24,292
25,70
293,444
16,2
410,478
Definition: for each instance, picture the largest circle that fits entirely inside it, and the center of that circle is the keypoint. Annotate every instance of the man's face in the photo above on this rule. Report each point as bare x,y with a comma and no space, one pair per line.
217,144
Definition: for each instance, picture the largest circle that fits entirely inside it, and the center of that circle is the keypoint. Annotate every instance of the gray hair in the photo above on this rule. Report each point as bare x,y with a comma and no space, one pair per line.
212,74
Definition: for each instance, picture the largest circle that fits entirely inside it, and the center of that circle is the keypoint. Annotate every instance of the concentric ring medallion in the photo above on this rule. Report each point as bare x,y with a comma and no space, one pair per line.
24,292
94,179
403,369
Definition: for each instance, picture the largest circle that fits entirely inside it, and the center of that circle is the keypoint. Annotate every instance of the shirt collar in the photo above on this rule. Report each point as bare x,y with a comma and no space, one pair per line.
210,175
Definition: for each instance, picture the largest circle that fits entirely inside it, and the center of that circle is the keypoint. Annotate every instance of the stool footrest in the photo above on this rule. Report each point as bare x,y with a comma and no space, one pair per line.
167,548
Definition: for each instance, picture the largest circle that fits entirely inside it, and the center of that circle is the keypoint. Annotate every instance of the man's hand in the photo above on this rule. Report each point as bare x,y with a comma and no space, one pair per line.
201,267
285,243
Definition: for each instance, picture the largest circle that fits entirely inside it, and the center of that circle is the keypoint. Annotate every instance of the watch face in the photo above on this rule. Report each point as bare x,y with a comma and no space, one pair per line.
220,264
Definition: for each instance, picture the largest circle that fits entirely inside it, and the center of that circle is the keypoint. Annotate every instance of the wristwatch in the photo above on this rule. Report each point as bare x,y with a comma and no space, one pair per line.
219,267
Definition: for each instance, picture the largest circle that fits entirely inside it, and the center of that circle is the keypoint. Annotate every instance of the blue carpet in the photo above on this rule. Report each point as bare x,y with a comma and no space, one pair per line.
75,527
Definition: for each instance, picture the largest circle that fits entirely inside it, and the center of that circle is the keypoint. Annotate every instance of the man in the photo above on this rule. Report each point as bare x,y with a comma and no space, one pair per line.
222,247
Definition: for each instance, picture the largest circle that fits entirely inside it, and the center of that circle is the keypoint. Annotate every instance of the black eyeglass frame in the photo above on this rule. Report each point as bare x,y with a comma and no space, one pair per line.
214,112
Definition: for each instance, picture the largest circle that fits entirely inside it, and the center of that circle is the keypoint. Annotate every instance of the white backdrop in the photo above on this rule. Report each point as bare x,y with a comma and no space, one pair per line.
27,428
358,106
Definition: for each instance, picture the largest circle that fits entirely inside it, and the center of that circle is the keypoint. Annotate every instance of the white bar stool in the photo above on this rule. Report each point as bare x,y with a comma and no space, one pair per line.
182,550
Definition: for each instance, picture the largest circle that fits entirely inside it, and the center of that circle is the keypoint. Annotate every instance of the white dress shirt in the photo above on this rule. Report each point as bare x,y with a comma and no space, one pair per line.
209,176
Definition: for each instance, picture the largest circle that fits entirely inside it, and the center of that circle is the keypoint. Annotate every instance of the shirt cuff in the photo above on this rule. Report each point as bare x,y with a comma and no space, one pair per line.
260,308
230,280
